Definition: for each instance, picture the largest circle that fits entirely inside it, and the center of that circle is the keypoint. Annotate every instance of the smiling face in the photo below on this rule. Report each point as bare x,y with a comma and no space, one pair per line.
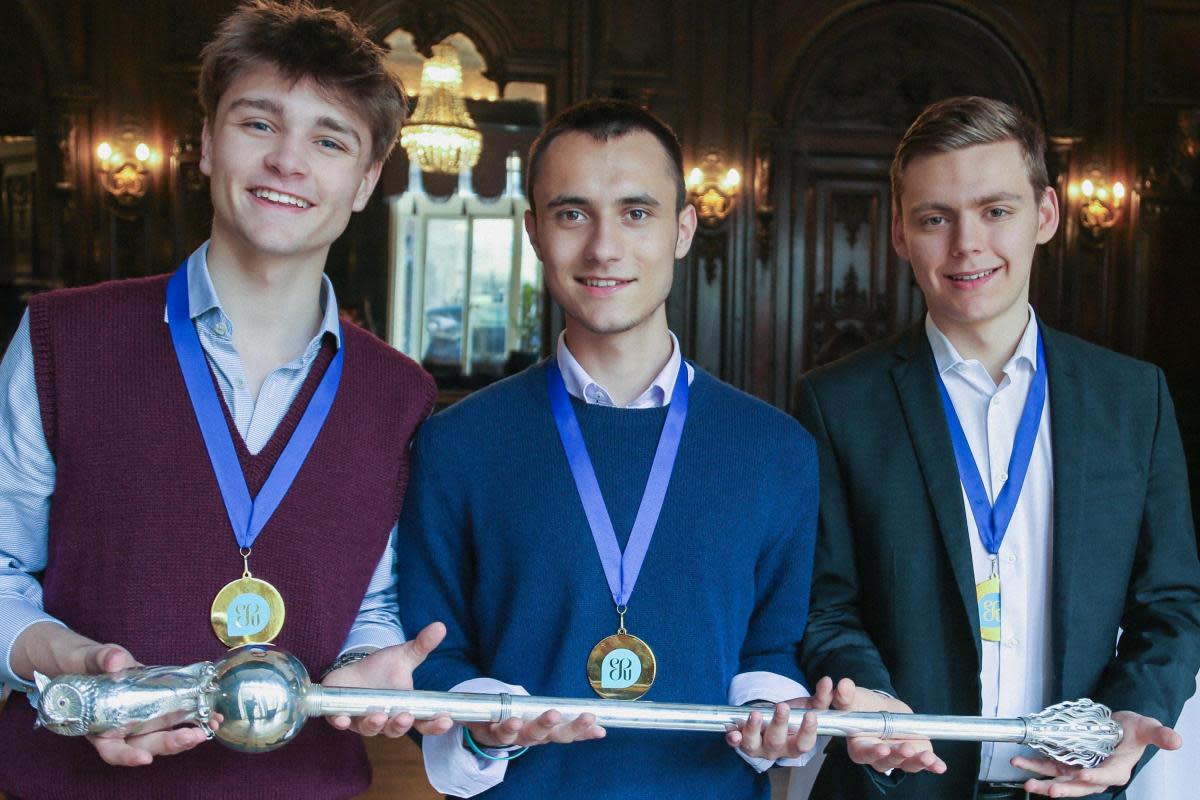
607,232
969,223
287,165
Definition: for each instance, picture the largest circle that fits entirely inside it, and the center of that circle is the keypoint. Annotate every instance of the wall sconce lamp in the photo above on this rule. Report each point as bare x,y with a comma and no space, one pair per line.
124,165
712,188
1100,203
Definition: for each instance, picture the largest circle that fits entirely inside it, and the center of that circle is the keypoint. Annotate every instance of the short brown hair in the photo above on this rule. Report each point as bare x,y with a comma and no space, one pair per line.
959,122
603,120
303,41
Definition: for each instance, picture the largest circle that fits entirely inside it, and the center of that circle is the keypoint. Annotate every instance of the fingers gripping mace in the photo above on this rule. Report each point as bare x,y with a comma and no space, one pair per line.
263,697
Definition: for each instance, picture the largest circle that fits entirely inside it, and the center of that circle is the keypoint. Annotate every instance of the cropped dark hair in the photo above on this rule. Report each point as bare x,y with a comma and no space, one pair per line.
958,122
305,42
604,120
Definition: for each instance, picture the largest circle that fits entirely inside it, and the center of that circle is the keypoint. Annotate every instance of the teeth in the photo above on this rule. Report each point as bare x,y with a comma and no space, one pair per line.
601,284
969,278
280,197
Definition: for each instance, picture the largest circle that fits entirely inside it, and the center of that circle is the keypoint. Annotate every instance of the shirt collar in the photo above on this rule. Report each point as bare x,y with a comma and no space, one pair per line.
946,355
204,303
581,385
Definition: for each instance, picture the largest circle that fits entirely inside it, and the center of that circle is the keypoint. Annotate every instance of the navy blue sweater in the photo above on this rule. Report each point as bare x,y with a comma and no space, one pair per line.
494,542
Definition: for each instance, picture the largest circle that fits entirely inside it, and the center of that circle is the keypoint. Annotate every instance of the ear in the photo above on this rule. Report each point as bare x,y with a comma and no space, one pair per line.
687,230
367,185
898,240
41,681
531,232
1047,215
206,150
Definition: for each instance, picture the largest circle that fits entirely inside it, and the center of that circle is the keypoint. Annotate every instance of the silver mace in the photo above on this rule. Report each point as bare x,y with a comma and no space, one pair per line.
264,696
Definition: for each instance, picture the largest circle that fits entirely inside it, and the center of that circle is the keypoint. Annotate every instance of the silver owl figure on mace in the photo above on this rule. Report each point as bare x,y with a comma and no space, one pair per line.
263,696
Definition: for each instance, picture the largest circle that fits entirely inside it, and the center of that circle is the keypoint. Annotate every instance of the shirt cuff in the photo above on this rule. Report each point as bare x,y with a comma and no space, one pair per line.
372,636
15,616
453,769
749,687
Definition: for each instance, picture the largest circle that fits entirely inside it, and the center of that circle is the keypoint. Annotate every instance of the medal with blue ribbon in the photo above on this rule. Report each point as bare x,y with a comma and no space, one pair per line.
621,666
992,520
247,610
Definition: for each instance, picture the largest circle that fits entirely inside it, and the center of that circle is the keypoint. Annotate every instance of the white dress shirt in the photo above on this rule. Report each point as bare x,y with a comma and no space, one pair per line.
450,767
27,470
1015,676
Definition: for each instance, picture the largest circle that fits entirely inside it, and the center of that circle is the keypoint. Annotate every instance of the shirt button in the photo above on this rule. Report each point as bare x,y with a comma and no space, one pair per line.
1002,477
220,329
1010,558
1010,642
996,400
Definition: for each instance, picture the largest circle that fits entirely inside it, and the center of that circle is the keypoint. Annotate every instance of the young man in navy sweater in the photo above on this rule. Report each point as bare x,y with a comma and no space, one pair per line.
609,503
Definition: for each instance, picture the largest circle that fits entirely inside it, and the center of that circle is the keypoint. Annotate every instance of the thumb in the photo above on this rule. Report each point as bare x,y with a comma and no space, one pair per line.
843,695
107,658
1162,737
416,650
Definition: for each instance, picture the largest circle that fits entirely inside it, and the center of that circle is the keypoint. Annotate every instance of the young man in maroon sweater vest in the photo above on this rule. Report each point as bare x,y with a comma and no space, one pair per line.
108,493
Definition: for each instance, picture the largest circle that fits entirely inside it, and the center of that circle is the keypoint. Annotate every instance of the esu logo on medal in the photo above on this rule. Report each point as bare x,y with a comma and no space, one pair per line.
247,615
620,669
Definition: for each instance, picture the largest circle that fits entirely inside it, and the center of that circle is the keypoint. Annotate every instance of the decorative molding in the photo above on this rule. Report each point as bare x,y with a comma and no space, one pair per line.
847,321
711,246
431,21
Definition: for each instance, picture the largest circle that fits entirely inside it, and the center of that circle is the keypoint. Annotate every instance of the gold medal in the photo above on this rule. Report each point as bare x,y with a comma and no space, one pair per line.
621,666
247,610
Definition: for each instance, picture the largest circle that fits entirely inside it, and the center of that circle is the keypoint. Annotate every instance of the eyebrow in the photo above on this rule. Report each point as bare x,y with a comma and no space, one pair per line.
567,200
575,200
260,103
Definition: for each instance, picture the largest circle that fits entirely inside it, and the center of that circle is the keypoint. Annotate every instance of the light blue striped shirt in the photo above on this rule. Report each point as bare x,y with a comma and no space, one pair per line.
27,471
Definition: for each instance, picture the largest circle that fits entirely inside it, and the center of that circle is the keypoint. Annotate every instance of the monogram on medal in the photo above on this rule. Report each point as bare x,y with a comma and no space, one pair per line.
621,666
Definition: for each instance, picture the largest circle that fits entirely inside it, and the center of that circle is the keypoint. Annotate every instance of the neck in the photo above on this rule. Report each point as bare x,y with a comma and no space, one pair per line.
624,364
274,304
991,342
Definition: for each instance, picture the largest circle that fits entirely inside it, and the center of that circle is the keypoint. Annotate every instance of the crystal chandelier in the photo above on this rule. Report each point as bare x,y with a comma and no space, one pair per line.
441,136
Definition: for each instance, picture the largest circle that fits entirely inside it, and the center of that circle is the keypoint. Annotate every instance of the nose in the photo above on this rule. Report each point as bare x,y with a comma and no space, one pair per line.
286,157
968,235
606,243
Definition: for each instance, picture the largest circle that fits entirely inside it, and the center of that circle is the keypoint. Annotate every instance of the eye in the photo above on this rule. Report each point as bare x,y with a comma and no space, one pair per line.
638,214
998,213
330,144
257,125
570,215
933,221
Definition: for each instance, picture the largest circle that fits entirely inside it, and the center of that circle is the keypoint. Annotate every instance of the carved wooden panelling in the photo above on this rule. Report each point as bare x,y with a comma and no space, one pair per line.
1172,56
534,21
914,59
855,289
633,40
17,183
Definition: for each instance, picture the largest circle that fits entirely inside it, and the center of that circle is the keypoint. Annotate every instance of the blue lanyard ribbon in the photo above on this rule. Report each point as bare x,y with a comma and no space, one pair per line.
621,569
247,516
992,520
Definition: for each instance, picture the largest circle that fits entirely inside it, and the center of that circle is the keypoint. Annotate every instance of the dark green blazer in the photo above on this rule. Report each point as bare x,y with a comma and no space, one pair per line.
893,604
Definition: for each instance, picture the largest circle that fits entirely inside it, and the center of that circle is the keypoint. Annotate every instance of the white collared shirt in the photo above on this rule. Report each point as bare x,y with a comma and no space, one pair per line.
1016,671
658,393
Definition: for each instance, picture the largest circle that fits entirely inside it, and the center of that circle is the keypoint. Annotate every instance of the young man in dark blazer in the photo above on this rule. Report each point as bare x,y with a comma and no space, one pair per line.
1005,520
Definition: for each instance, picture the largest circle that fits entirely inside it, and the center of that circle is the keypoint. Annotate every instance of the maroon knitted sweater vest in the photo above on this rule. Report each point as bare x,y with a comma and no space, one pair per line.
140,542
